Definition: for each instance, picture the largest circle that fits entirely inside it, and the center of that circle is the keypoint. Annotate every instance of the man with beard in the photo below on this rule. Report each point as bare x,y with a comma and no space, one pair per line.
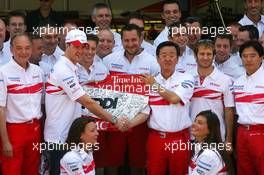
253,14
212,90
223,58
133,60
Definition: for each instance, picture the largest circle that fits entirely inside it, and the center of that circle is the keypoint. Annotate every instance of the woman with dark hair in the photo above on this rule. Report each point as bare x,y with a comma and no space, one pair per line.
82,138
209,153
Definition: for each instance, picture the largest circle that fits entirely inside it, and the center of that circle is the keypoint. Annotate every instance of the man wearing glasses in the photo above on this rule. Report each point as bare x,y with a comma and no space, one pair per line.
15,25
43,15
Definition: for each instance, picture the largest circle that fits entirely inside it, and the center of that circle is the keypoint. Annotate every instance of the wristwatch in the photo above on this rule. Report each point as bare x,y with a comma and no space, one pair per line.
155,86
114,120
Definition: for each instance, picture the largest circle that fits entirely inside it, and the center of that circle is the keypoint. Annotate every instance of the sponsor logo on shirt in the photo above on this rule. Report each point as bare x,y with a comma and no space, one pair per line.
14,78
35,76
214,84
238,87
116,66
143,68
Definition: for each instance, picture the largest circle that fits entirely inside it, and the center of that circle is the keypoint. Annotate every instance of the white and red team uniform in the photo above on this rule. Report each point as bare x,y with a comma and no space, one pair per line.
186,61
141,63
136,139
20,94
169,124
77,161
97,72
62,91
249,100
208,162
213,93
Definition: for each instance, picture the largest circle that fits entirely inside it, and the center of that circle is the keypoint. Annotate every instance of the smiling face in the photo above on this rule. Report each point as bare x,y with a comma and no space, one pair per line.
253,7
21,49
106,43
199,128
223,49
102,18
90,134
171,13
74,53
131,42
179,36
204,57
89,53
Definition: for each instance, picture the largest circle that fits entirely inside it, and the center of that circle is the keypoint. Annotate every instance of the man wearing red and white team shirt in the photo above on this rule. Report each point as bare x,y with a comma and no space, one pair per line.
212,90
21,85
249,93
169,119
134,60
63,95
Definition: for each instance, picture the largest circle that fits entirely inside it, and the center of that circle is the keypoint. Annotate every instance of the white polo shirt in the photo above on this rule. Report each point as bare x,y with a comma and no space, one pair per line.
97,72
62,89
209,162
148,48
214,93
53,58
6,49
163,36
4,56
21,92
186,61
260,25
141,63
249,98
230,68
169,117
118,42
77,161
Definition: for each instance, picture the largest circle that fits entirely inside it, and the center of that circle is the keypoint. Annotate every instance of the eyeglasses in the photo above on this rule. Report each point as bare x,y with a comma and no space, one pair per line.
201,41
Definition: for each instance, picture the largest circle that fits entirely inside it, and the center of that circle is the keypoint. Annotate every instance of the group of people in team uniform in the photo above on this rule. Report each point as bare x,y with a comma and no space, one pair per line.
205,96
